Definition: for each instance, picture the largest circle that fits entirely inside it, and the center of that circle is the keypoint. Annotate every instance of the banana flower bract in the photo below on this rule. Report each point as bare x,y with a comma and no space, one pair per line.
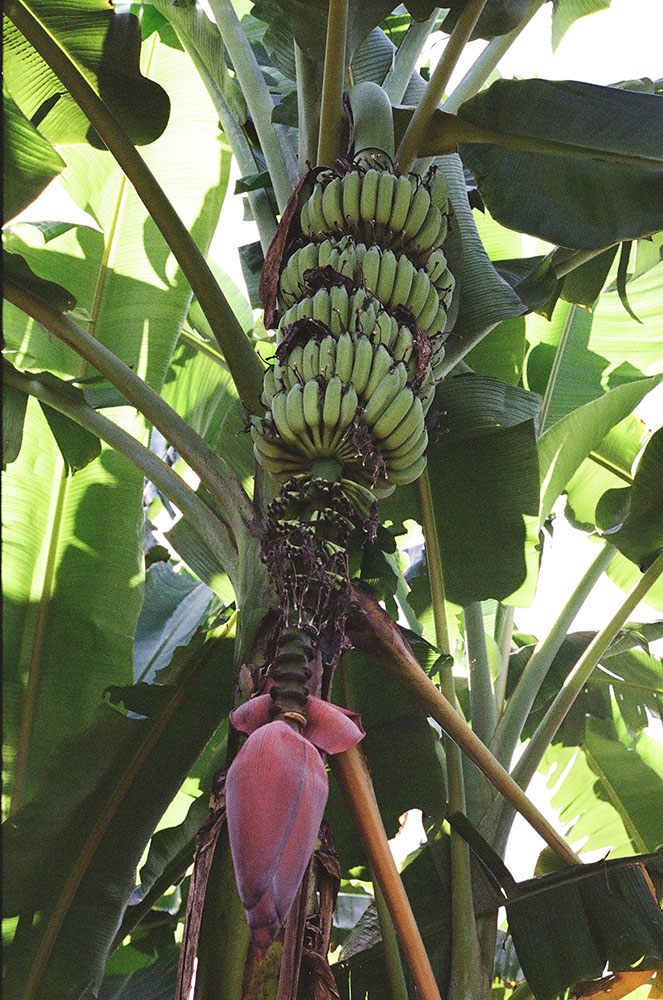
276,792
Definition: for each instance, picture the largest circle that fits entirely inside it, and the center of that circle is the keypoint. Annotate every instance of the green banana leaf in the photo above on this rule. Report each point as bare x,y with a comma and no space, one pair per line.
30,161
497,18
106,45
72,594
632,516
565,12
61,534
570,440
72,852
611,792
600,182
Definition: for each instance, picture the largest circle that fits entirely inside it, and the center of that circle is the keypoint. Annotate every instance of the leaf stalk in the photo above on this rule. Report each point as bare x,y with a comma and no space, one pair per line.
411,143
211,530
213,471
273,142
373,631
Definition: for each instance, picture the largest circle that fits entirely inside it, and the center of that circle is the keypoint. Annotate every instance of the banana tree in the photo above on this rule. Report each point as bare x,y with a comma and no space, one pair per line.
309,519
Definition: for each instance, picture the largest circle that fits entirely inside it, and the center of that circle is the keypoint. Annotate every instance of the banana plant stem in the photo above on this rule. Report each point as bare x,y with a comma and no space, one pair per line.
352,775
309,87
329,138
181,19
484,65
405,60
211,530
392,957
518,707
503,637
373,631
579,676
244,364
465,959
213,471
411,142
482,697
273,141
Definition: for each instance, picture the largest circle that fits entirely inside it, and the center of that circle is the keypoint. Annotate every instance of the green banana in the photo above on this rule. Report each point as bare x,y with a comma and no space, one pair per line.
401,204
418,293
331,410
312,410
429,311
384,199
327,356
363,360
425,238
351,186
405,273
386,277
412,421
417,213
310,361
417,439
370,266
381,363
345,356
396,411
392,383
295,411
401,477
332,205
368,199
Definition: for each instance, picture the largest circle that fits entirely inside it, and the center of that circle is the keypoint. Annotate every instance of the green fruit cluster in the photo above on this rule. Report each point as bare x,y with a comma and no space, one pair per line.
364,306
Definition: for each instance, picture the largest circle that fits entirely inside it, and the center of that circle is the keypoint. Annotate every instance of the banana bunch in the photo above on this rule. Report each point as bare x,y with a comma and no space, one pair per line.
364,306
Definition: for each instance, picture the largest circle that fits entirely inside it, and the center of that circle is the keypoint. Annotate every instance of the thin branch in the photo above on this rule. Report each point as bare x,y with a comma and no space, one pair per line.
331,115
511,724
411,142
484,65
214,472
352,775
273,141
406,56
211,530
373,631
245,365
576,680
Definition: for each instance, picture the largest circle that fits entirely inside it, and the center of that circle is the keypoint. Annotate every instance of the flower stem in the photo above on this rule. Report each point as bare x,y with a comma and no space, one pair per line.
273,141
244,364
211,530
576,680
331,115
215,474
352,775
411,142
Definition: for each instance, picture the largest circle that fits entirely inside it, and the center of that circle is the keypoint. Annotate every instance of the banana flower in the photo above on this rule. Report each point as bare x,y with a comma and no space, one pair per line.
276,792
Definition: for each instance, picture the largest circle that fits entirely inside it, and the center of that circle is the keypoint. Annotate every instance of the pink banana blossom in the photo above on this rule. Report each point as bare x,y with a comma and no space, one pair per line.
276,792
